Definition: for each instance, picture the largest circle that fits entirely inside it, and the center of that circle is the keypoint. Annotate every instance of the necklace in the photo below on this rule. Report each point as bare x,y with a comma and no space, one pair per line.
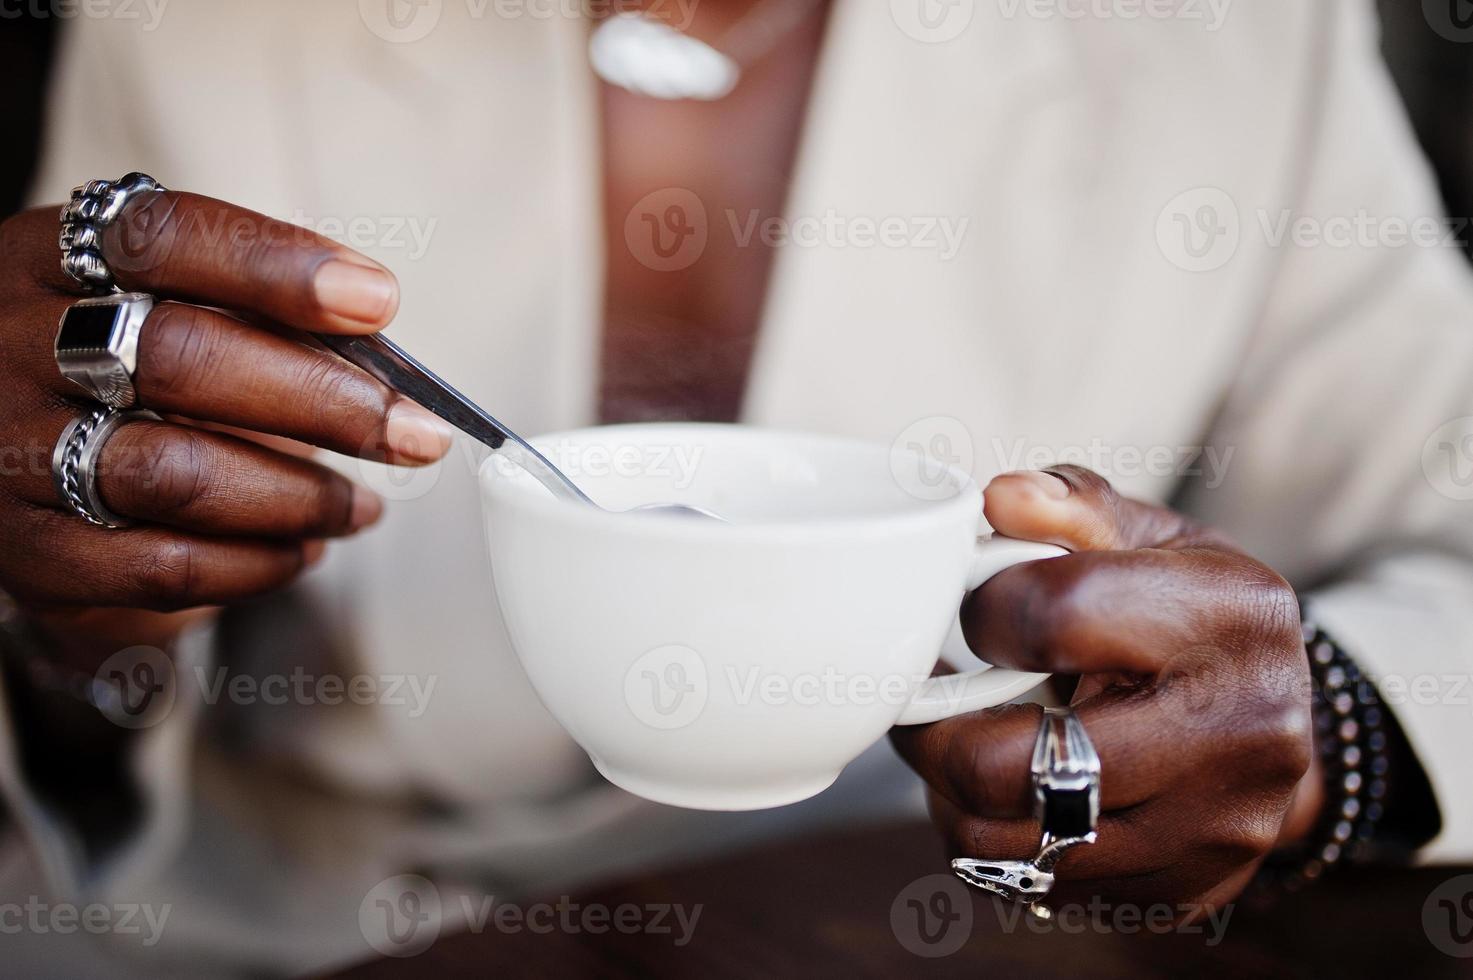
646,56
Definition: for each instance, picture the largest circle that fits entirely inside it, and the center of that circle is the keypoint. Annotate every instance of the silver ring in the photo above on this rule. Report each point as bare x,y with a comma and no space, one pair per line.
95,205
97,345
1066,802
74,463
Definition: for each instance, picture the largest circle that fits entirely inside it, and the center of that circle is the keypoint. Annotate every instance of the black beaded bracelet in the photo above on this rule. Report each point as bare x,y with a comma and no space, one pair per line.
1350,741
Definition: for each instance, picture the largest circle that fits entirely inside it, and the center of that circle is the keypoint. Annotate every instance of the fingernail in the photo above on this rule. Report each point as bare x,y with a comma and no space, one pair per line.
415,433
1045,483
312,552
367,508
358,292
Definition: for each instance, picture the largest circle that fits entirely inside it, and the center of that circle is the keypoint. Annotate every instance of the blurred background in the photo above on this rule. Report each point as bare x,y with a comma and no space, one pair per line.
1434,73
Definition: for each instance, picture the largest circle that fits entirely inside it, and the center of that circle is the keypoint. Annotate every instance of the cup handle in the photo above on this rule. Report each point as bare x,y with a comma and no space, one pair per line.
955,694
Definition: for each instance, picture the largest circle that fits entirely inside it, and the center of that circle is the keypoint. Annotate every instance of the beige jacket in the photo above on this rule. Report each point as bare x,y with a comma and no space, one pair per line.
1017,236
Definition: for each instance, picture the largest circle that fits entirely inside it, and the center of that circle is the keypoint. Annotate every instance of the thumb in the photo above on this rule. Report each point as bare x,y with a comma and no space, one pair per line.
1074,508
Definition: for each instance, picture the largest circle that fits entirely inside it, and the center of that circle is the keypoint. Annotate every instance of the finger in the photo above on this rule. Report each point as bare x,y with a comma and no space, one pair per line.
1077,509
196,480
997,838
192,247
191,479
69,562
1084,613
1141,855
981,761
205,365
1117,855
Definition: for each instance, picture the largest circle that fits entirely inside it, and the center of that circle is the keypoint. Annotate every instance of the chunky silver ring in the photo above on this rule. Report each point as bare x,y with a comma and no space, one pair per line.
95,205
74,463
97,345
1066,803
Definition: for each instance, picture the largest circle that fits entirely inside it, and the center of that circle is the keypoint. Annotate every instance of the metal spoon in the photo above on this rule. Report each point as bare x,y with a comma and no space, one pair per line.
395,367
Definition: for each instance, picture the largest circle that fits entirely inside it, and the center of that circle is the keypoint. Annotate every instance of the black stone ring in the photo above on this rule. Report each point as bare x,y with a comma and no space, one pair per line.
1066,801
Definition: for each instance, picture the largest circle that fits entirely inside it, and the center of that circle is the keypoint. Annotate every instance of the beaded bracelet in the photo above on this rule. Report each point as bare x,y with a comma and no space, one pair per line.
1350,741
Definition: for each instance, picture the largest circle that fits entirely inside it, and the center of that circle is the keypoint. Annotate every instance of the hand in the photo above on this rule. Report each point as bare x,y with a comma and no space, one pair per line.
1194,687
221,516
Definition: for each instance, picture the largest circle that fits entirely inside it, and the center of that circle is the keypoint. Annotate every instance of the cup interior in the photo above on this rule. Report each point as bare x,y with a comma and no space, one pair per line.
747,475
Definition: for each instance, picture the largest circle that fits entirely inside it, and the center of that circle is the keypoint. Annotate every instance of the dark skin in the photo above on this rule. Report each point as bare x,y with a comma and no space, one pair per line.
1193,685
678,343
1192,669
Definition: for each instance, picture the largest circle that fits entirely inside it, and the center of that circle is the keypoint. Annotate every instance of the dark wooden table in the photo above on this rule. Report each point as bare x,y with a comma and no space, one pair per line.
858,903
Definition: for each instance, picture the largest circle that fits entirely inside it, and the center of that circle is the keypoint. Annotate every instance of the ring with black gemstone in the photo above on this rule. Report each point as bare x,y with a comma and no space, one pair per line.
1066,802
97,345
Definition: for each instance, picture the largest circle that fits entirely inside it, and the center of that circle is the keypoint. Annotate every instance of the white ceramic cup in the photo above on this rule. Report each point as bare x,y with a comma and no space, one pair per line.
743,665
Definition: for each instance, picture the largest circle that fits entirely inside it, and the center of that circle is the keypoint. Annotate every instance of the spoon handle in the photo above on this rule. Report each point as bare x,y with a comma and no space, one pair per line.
397,368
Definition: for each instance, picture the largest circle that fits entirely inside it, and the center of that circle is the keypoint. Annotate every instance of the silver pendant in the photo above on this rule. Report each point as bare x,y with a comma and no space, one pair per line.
653,59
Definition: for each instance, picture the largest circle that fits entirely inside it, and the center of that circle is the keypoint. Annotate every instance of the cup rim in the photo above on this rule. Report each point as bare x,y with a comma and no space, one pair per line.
518,491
